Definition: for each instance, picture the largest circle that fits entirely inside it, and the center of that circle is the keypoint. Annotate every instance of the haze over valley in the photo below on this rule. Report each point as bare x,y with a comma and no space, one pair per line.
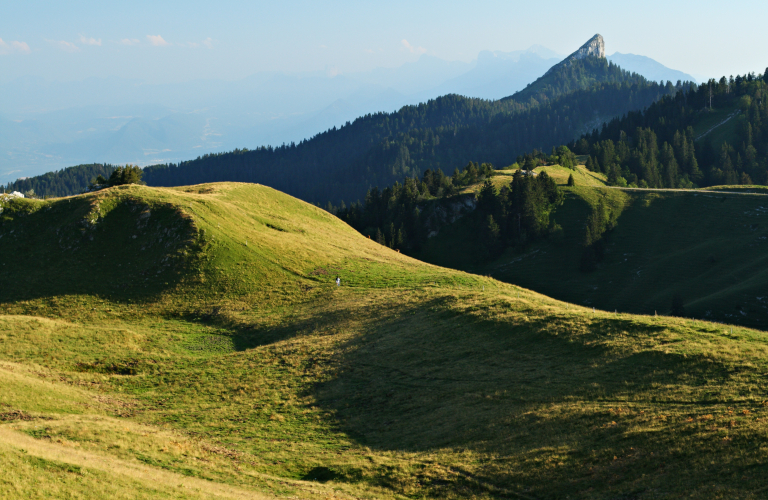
48,125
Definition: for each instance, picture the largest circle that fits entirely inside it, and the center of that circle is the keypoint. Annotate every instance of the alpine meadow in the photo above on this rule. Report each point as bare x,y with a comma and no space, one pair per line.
557,294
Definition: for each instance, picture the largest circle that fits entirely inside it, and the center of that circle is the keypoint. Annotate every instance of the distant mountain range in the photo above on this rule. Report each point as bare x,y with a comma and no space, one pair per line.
649,68
47,125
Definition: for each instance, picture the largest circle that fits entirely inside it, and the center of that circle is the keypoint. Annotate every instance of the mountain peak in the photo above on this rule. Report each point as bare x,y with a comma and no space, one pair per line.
595,46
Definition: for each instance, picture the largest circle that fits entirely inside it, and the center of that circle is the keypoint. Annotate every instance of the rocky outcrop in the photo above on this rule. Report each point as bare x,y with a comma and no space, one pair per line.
594,47
447,211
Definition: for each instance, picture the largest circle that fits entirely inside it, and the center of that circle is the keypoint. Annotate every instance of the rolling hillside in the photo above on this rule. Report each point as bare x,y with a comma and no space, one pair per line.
705,246
190,342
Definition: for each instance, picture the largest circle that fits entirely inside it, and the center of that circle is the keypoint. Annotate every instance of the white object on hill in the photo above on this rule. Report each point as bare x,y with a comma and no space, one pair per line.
11,196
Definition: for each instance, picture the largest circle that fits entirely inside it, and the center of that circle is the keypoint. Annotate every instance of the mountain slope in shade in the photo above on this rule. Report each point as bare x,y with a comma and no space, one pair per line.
649,68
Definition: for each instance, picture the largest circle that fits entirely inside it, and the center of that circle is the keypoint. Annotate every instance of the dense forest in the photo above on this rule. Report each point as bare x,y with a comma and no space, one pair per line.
402,216
64,182
658,147
572,75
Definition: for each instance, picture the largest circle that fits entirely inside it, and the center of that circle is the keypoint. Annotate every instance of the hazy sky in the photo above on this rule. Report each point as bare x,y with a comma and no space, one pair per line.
171,41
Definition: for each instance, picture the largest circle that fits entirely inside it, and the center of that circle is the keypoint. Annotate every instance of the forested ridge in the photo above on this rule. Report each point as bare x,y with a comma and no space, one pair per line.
656,148
660,148
64,182
572,75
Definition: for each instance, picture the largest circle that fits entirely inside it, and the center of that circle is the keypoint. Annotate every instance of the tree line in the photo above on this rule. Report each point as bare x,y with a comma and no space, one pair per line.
343,164
658,148
64,182
402,216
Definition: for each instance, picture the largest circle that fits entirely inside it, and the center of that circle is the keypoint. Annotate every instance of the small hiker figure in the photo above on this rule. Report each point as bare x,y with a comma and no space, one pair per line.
338,281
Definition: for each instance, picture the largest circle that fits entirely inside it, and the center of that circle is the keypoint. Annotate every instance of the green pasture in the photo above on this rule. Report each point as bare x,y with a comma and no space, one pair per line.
241,370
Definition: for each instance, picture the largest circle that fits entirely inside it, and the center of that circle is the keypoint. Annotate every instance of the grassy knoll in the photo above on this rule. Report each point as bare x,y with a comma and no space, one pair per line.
240,370
581,176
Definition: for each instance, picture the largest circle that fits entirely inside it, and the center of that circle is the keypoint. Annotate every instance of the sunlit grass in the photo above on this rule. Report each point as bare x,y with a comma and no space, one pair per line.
251,372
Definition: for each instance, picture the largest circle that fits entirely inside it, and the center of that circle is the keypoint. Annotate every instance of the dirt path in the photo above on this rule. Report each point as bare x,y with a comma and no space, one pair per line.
727,119
696,191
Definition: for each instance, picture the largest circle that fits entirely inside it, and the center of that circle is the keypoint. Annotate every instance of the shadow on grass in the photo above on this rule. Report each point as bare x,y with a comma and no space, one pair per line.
245,338
312,316
526,390
132,251
429,380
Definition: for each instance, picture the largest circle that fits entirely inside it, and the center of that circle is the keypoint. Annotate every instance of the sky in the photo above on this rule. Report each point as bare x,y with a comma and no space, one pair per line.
175,41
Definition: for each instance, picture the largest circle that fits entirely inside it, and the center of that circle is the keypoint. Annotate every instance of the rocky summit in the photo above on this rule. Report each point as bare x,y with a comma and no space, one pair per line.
594,47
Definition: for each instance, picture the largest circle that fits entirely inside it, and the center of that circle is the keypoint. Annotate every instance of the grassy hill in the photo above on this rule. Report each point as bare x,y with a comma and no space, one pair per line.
706,246
190,342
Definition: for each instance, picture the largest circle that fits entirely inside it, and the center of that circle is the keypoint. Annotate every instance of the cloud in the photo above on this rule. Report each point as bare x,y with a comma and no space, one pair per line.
90,41
15,46
156,40
323,46
413,50
21,47
129,41
208,42
64,45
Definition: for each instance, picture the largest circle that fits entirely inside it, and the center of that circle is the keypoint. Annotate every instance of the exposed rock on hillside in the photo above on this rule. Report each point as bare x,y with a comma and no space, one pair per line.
448,211
594,47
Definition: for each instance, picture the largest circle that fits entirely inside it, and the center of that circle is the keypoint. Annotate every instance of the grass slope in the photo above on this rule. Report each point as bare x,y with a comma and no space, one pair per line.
706,247
242,370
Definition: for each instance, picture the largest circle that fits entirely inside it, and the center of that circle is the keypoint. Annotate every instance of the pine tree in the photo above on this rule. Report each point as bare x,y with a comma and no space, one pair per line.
491,238
590,164
129,174
392,237
571,182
